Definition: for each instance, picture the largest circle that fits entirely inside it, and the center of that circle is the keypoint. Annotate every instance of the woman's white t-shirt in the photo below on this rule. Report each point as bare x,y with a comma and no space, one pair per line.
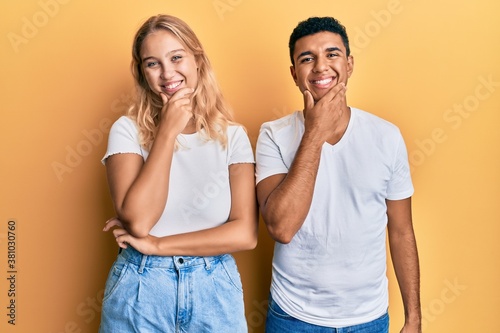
199,191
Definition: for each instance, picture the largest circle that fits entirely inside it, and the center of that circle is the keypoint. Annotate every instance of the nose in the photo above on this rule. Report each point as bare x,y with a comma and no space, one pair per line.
166,72
320,65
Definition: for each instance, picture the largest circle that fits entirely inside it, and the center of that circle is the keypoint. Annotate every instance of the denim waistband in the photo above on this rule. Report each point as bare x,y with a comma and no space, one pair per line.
170,262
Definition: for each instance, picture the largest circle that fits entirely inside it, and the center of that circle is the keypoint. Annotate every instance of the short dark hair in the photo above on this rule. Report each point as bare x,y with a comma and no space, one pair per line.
314,25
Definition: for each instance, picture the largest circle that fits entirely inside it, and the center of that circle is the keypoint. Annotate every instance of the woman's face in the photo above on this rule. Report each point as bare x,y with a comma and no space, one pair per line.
167,64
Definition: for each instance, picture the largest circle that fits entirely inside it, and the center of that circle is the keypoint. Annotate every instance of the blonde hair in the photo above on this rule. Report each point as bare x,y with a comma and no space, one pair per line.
211,111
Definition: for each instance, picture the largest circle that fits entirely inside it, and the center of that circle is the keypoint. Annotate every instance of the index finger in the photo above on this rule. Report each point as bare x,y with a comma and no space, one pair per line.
181,93
112,222
332,93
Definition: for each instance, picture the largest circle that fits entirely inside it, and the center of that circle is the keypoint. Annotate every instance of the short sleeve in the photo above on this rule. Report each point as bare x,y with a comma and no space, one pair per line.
239,147
269,160
123,138
400,185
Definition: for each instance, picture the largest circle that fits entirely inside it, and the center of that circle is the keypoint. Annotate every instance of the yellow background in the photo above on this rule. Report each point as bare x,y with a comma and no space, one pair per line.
430,67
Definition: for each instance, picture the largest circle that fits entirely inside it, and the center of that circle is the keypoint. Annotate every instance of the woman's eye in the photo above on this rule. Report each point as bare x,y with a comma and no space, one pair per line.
176,58
151,64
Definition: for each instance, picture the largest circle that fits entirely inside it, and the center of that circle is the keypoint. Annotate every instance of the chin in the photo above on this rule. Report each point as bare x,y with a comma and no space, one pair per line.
317,96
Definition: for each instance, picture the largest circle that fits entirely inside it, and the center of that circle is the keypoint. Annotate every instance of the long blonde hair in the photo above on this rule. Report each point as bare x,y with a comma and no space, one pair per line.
211,111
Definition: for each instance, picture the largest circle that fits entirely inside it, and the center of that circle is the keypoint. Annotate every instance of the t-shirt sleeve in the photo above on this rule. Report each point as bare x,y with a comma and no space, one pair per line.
240,149
269,160
400,185
123,138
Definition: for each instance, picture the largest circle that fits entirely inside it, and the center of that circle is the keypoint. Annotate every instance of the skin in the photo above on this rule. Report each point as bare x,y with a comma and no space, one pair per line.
321,71
403,248
285,198
140,189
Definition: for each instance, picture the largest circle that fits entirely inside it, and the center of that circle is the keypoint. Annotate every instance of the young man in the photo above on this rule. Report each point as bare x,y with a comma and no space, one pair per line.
330,180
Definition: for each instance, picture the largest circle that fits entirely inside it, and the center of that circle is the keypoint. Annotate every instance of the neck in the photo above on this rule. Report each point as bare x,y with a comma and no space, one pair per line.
340,127
190,127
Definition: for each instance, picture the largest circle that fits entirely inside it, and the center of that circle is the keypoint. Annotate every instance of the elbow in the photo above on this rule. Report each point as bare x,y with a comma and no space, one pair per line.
137,221
246,245
283,239
247,238
282,230
135,227
280,235
282,227
138,231
251,243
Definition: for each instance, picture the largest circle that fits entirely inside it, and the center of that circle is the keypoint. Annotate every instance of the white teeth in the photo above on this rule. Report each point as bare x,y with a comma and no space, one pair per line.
173,85
325,81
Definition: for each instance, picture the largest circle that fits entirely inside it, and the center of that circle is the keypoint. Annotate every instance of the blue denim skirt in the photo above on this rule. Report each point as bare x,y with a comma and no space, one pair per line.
173,294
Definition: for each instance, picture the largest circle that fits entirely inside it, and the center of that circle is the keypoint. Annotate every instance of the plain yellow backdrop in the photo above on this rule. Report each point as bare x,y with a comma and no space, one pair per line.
430,67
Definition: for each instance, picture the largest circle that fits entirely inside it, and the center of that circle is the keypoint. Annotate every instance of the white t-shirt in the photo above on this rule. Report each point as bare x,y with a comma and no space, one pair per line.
333,272
199,193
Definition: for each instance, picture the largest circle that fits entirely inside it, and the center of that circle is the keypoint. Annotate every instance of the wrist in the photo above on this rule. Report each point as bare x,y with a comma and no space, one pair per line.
413,321
312,140
155,245
166,135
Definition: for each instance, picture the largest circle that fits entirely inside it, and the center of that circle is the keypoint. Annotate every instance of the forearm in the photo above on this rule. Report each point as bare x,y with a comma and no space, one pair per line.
140,189
406,266
288,204
146,198
230,237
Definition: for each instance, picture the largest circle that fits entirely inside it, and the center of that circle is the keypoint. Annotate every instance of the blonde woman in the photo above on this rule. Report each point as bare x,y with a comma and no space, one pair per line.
181,176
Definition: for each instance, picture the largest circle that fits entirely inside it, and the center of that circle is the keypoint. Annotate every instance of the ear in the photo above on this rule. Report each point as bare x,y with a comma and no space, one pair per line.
294,75
197,61
350,65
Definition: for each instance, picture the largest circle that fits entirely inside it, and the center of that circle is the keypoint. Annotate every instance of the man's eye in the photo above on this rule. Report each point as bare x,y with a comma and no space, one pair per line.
332,55
304,60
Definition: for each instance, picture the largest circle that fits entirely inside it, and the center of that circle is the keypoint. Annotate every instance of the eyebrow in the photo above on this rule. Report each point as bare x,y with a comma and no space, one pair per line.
328,49
173,51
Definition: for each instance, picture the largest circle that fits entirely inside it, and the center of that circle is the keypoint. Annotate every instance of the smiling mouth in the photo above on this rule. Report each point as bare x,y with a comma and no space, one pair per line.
172,86
322,82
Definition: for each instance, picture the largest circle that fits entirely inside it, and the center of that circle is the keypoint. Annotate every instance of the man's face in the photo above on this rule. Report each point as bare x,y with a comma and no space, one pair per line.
321,63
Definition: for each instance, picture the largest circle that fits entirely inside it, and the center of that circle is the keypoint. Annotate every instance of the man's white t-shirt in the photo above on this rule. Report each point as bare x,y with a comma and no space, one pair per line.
333,272
199,193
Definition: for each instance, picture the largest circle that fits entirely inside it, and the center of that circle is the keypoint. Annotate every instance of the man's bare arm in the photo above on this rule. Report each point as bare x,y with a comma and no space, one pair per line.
285,199
404,255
